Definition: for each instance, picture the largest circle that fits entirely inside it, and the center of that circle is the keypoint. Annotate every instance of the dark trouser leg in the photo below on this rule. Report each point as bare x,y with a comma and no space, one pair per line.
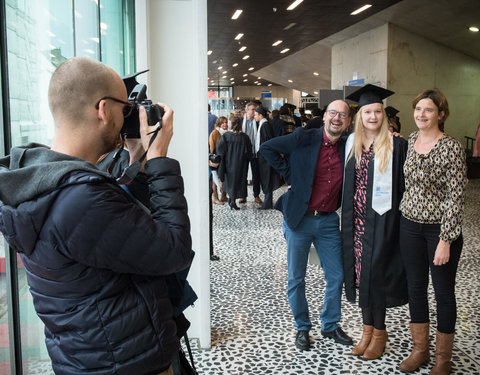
255,177
374,317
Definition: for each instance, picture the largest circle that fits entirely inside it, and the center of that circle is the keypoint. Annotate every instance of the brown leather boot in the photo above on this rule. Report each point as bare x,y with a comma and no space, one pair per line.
443,354
377,344
420,354
223,198
362,345
215,196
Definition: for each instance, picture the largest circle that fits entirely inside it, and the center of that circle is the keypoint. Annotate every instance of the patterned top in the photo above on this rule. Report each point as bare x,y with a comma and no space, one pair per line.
360,209
435,185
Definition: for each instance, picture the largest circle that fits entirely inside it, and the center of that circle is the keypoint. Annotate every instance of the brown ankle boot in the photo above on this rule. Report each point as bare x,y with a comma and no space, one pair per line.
443,354
362,345
377,344
224,197
215,199
420,354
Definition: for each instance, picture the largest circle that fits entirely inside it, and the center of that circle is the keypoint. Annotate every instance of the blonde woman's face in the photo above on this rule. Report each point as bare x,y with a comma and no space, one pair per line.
372,116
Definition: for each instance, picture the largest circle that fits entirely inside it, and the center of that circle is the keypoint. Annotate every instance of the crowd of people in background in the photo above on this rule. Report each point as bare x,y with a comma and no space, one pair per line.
398,222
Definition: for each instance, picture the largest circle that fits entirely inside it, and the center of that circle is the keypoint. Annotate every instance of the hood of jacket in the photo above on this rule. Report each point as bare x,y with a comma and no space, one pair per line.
30,179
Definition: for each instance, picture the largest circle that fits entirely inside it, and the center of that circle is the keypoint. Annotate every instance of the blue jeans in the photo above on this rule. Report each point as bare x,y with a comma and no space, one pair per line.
324,233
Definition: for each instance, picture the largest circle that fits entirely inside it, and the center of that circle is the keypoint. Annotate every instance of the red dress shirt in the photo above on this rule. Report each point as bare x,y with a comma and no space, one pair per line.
328,179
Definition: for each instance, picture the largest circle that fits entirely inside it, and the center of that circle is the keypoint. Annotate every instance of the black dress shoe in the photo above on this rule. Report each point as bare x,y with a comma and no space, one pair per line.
214,257
302,341
338,336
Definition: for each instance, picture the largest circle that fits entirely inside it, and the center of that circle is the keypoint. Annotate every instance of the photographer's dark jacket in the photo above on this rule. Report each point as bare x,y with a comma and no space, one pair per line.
95,261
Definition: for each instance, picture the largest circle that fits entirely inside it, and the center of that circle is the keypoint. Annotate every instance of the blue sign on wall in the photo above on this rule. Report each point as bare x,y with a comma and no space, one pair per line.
356,82
266,94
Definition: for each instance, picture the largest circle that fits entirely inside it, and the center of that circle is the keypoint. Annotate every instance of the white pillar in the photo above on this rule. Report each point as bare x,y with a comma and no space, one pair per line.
172,43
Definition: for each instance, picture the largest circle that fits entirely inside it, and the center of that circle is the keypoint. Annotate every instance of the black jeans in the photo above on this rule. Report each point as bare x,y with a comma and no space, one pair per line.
418,244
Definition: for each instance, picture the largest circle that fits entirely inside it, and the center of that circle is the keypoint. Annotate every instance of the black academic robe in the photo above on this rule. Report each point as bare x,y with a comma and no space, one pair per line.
235,150
382,277
269,179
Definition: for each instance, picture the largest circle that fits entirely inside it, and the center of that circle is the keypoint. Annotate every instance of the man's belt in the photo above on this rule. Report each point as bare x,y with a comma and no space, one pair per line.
317,213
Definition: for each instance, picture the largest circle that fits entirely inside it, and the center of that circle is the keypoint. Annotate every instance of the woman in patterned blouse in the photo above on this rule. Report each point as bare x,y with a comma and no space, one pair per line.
430,228
373,188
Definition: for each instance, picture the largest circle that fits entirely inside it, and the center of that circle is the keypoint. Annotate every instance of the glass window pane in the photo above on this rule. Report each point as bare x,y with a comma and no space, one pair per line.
87,41
39,38
4,334
111,33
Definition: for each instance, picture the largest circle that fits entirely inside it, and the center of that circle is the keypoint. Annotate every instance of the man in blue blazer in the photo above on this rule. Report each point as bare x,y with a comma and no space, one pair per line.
311,162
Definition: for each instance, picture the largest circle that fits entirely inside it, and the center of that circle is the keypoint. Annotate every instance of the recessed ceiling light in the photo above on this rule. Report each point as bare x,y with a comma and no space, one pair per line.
255,82
269,84
220,67
237,14
214,61
315,92
234,65
224,72
290,81
277,43
289,26
231,79
245,75
245,80
315,73
473,28
245,57
285,50
239,36
294,4
258,84
209,52
242,49
359,10
251,68
224,76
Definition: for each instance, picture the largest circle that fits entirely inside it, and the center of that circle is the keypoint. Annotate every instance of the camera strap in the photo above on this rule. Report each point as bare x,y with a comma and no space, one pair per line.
132,170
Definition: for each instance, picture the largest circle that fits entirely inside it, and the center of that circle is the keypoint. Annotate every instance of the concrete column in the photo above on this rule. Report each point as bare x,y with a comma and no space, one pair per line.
172,43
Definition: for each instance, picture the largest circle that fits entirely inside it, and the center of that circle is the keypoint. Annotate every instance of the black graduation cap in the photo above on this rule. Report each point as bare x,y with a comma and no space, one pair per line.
391,112
369,94
262,111
130,81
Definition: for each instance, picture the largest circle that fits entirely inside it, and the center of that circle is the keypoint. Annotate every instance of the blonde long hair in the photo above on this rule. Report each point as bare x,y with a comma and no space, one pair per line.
382,146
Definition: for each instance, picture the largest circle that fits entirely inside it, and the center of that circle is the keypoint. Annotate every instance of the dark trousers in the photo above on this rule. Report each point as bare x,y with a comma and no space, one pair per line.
255,177
418,244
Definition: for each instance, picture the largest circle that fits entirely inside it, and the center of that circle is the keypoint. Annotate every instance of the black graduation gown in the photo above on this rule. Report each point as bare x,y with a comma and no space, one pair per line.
235,150
382,277
269,179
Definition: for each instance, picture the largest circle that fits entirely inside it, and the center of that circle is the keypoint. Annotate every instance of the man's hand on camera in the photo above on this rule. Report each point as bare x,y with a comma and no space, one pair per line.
159,147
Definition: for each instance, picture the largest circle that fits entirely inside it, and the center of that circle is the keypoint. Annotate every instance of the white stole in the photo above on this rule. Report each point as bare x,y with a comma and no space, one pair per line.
382,182
254,124
257,139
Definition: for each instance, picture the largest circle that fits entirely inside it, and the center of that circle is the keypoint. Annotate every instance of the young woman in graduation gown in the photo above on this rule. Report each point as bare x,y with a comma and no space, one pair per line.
373,188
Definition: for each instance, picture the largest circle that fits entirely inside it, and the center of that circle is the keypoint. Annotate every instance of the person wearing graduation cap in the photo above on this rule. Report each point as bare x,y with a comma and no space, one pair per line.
372,190
393,119
269,178
311,162
96,260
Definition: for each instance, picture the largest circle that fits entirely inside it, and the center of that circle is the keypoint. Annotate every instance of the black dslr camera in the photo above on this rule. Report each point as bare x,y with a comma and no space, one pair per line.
137,94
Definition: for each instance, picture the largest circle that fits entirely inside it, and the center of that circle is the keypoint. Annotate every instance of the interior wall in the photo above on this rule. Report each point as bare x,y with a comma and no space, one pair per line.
178,77
364,56
416,63
255,92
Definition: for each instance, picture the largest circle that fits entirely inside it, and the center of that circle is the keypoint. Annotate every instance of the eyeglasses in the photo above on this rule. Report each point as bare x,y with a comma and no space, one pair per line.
127,108
333,113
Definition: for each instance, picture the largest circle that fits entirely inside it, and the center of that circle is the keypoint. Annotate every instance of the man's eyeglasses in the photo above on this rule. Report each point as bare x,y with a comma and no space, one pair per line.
127,108
333,113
